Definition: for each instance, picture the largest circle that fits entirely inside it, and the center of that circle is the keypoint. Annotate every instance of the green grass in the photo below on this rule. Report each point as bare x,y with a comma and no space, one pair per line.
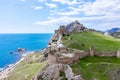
83,40
25,70
96,68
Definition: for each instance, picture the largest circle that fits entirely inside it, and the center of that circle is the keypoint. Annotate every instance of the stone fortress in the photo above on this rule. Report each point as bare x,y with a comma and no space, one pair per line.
59,57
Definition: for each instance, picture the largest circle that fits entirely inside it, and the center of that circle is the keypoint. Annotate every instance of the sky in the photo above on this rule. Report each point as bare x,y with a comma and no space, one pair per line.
44,16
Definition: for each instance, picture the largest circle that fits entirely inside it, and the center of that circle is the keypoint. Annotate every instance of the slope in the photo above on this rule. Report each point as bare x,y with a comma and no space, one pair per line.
83,40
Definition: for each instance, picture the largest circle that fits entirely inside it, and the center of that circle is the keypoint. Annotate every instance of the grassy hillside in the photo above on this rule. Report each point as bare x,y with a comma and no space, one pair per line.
95,68
83,40
98,68
27,68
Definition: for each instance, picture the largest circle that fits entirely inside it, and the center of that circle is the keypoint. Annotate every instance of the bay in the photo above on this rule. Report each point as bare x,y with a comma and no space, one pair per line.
11,42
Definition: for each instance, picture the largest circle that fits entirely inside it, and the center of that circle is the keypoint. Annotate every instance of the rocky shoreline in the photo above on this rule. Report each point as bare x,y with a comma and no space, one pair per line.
4,72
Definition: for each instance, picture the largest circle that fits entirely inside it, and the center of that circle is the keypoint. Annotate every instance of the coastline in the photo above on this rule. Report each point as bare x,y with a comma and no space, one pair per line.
4,71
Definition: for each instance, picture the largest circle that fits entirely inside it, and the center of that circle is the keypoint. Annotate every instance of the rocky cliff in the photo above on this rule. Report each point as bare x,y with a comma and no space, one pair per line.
75,26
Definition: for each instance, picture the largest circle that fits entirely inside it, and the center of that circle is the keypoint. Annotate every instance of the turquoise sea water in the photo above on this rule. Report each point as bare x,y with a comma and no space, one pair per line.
10,42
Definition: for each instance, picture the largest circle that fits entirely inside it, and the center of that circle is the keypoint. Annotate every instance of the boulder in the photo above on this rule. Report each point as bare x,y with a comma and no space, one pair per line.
61,67
51,73
48,73
68,72
78,77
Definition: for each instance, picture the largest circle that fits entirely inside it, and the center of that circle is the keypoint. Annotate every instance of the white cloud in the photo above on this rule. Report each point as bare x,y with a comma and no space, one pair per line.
68,2
53,21
90,22
68,13
100,14
23,0
64,12
42,0
51,5
38,8
98,7
51,14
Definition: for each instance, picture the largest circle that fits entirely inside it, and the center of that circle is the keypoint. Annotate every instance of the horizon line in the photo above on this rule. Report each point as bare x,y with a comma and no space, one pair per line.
26,33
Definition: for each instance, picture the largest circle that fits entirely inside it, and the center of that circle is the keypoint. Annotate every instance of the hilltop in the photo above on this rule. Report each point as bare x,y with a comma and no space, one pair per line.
75,35
84,40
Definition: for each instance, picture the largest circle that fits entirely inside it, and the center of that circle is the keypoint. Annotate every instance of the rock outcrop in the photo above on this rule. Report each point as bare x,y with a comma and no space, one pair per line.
75,26
52,72
49,73
68,72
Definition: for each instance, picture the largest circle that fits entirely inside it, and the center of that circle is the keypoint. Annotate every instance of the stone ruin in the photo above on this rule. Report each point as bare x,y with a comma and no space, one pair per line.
118,53
91,51
61,48
53,69
58,63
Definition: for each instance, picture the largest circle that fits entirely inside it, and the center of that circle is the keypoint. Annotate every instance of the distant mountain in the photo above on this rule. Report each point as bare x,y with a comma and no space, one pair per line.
113,30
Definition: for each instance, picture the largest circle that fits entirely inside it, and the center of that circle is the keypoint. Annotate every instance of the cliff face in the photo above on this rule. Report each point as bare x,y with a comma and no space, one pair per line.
73,27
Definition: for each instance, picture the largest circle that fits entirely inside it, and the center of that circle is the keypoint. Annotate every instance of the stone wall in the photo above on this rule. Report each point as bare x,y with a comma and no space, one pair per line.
52,59
105,54
74,59
79,55
92,52
64,60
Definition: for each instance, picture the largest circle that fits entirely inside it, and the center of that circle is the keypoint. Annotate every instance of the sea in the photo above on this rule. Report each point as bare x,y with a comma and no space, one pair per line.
11,42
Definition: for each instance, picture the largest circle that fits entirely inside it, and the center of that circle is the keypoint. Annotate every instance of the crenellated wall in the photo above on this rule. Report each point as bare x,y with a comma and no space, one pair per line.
79,55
